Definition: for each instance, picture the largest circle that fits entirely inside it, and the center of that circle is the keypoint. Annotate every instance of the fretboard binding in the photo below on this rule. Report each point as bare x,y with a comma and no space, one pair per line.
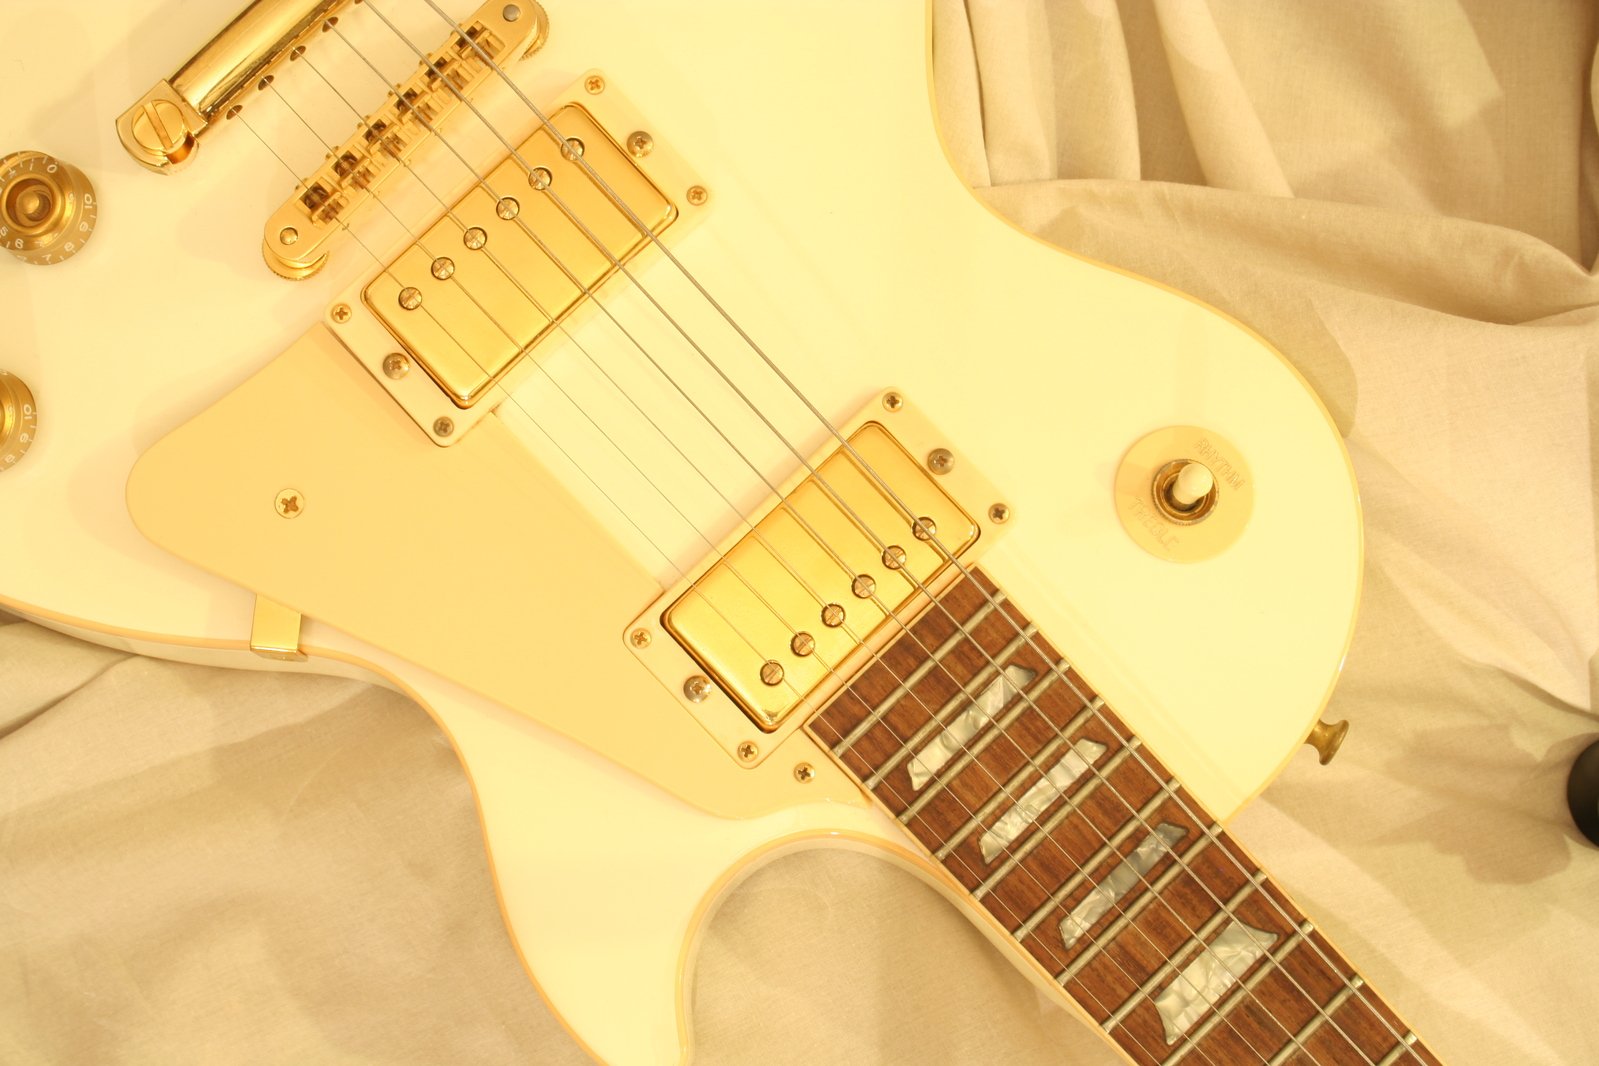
1006,791
951,707
1246,988
1406,1042
1130,914
1322,1015
1139,820
1198,941
1041,833
962,632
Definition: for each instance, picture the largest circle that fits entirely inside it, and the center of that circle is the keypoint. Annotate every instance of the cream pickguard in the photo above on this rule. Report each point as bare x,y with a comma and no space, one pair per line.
495,580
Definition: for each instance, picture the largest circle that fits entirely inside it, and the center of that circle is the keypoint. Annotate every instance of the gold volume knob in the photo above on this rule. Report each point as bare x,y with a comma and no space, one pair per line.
19,420
47,208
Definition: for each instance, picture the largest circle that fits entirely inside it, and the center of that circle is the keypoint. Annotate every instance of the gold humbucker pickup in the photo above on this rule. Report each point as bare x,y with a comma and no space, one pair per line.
508,262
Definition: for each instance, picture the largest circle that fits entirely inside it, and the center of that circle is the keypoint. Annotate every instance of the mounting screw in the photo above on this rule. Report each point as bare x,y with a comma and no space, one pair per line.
288,235
443,427
640,638
290,503
941,460
697,688
396,366
594,84
804,773
640,144
893,401
747,751
697,195
999,513
341,313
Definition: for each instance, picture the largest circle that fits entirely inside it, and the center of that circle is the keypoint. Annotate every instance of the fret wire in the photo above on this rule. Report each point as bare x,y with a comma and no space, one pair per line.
915,676
956,768
1045,828
1044,944
649,235
1309,1029
1106,850
1210,925
1407,1046
951,708
1296,1040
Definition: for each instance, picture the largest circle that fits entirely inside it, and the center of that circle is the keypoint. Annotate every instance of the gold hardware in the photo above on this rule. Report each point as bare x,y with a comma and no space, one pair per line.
289,503
894,557
19,420
924,528
940,460
697,688
771,672
349,179
1148,511
802,644
640,638
999,513
410,298
541,25
443,427
773,601
747,751
341,313
1327,738
275,632
163,130
594,84
697,195
479,326
640,144
396,366
47,208
893,401
288,235
804,773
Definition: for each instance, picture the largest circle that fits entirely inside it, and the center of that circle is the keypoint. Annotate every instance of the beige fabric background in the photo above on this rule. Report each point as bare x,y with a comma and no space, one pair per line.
207,867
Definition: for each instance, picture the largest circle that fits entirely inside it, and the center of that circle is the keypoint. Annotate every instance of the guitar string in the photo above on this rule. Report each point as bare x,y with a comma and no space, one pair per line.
822,480
832,670
572,216
1359,991
867,465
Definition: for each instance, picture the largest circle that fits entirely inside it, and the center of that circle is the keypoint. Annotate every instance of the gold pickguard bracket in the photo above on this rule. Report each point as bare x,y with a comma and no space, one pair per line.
774,622
449,325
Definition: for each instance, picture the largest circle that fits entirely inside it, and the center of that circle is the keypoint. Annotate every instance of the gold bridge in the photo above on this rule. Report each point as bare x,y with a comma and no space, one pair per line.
508,262
780,618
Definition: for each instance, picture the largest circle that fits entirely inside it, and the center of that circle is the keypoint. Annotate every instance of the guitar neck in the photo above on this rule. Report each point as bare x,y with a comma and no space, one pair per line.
1101,868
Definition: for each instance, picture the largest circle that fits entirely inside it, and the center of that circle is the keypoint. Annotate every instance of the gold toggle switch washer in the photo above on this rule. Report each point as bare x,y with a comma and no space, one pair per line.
19,420
47,208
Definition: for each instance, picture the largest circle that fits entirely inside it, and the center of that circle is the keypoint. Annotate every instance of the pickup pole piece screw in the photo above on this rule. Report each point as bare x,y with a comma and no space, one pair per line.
924,528
802,644
999,513
640,144
396,366
410,298
697,195
594,84
341,313
507,208
941,460
475,238
894,557
540,178
832,616
443,268
747,751
772,673
697,688
443,427
863,586
640,638
290,503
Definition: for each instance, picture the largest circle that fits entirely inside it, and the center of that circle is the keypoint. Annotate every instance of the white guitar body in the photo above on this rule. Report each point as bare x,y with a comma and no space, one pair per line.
841,240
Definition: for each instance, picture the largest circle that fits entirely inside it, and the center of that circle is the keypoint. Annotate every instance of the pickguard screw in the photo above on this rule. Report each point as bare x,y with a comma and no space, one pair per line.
999,513
804,773
443,427
772,673
941,460
697,195
288,235
594,84
802,644
747,751
697,688
396,366
290,503
341,313
893,401
640,144
640,638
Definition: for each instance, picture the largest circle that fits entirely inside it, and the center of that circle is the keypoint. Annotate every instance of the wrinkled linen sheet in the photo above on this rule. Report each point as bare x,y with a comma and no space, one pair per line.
202,867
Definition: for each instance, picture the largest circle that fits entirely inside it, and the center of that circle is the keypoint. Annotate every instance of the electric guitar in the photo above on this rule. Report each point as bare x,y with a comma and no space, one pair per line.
635,386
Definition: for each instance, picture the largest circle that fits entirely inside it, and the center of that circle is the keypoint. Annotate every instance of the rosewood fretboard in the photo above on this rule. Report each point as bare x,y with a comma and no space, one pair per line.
1109,875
